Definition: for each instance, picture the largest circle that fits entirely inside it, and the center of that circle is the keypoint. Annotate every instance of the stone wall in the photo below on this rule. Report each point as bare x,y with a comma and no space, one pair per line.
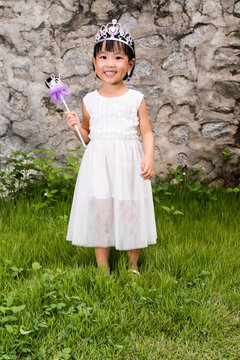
187,67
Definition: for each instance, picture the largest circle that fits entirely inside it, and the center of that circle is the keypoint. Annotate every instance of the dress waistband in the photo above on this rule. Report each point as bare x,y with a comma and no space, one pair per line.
113,136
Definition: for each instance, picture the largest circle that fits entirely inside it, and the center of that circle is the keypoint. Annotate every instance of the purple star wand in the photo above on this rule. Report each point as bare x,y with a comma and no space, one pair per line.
58,91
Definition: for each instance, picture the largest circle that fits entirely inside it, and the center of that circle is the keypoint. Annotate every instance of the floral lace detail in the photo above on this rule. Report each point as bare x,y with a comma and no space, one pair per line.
113,118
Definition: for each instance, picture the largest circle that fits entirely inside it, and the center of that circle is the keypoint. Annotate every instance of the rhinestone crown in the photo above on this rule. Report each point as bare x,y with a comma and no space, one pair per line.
114,31
53,81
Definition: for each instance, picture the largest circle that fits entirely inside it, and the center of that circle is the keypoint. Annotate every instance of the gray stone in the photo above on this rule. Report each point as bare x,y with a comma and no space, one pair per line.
164,112
218,182
57,15
8,145
179,85
4,124
70,5
128,22
41,36
85,31
216,130
1,68
179,134
101,8
227,54
237,8
193,6
175,61
182,159
76,62
23,48
228,89
20,73
143,68
148,90
15,108
201,33
24,129
212,8
182,2
149,41
215,102
205,165
44,67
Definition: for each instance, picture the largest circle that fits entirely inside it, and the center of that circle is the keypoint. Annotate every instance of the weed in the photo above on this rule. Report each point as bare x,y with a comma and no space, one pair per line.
29,172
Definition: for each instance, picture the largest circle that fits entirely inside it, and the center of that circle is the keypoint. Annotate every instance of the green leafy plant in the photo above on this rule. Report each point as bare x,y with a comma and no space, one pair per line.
171,210
29,172
235,190
238,32
226,156
184,180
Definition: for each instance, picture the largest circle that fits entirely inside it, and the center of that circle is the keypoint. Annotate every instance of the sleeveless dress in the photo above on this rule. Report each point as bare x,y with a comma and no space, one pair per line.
112,205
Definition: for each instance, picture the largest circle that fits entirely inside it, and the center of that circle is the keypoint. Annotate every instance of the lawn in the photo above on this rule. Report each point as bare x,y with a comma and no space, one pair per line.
55,303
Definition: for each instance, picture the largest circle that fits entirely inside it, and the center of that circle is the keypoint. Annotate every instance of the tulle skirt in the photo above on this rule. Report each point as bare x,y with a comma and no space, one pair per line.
112,205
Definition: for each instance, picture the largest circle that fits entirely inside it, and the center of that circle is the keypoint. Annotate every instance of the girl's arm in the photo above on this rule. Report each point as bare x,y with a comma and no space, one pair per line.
147,165
72,119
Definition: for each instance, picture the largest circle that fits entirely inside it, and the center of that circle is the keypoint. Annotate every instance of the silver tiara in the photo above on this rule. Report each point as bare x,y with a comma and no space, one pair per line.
53,81
114,31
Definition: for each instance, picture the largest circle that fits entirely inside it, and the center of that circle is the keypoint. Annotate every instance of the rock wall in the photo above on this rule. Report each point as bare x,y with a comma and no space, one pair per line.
187,67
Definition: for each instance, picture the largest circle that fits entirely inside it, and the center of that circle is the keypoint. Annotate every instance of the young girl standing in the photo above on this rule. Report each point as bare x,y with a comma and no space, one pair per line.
112,204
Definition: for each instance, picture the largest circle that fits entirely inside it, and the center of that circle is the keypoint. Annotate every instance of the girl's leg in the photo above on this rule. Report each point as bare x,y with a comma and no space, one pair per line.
102,255
133,256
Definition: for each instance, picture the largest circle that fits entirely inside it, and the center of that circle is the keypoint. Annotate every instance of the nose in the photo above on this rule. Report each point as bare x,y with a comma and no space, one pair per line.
110,62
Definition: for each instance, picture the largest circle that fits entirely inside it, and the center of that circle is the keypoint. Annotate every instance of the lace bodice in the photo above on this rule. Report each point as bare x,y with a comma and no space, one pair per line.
113,117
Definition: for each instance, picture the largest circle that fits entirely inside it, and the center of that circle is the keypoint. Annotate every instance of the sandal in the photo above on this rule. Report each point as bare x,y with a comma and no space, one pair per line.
135,272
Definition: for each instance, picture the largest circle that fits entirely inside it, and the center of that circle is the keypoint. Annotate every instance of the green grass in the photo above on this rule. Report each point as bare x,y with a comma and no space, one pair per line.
185,305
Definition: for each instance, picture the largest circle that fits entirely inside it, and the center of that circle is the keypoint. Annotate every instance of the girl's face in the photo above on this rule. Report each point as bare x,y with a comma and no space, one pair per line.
111,67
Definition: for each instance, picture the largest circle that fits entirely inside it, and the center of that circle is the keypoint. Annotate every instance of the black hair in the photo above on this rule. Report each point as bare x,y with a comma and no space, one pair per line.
110,46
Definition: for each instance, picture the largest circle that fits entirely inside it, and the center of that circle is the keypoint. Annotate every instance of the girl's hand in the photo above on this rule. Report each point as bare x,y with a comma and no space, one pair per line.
72,119
147,167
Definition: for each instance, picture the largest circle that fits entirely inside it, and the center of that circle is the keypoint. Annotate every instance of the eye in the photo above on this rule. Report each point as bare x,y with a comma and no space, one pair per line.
103,57
118,57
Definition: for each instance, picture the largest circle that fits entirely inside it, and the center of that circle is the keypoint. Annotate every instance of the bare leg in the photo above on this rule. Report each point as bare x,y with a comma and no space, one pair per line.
133,256
102,255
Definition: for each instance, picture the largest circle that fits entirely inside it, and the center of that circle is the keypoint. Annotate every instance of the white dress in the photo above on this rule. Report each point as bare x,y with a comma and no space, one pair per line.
112,204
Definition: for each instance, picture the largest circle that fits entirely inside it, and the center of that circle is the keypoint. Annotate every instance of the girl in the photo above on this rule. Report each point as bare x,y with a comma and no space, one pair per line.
112,204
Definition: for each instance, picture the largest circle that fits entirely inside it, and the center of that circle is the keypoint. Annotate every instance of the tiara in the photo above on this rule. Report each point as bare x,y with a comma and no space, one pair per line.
53,81
114,31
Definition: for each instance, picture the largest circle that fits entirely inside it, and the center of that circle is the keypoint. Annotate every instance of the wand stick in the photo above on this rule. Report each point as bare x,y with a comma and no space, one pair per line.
76,128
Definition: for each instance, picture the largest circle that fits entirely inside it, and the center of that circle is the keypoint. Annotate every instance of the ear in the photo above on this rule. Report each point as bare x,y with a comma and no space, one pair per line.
94,61
131,64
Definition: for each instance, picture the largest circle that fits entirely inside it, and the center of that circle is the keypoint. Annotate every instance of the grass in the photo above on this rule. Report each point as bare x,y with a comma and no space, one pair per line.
55,303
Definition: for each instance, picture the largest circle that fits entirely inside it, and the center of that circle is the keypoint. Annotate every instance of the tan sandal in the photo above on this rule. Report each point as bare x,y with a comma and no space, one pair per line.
135,272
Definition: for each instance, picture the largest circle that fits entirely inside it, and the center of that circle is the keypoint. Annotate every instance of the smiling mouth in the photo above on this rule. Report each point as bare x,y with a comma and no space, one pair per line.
110,72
